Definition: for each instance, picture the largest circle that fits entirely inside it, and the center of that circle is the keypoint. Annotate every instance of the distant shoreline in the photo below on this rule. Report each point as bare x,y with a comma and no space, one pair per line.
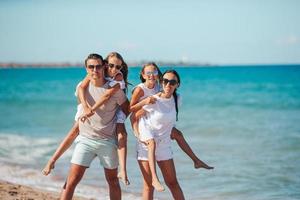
80,65
161,64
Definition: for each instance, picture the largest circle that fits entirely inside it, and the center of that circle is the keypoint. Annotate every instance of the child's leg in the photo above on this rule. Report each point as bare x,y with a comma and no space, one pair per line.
134,124
152,164
178,136
64,145
122,152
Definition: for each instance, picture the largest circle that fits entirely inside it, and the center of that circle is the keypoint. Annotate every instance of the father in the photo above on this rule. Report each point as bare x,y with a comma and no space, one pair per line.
97,134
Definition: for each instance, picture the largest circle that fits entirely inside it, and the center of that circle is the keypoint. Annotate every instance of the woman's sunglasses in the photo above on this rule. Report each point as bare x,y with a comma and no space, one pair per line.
98,67
171,82
118,67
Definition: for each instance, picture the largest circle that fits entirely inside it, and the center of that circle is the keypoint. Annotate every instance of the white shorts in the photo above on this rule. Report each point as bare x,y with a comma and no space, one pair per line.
121,117
163,150
87,149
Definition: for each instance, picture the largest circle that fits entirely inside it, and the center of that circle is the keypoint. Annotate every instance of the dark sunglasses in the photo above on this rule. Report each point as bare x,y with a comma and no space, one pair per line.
118,67
171,82
98,67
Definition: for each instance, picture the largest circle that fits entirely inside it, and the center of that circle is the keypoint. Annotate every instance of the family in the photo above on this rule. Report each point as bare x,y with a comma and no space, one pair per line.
99,129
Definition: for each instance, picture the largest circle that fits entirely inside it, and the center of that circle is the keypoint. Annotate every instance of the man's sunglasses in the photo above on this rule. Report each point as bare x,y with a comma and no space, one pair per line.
98,67
118,67
171,82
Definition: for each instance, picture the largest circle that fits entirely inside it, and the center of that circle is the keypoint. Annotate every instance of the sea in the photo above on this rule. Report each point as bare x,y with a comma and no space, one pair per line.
242,120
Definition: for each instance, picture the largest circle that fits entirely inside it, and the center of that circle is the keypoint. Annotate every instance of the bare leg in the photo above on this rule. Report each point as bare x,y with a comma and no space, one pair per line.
178,136
134,124
147,180
122,152
152,163
113,183
64,145
75,174
169,173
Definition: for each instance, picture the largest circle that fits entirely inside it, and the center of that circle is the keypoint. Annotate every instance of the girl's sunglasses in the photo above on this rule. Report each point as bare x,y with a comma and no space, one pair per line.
154,73
118,67
171,82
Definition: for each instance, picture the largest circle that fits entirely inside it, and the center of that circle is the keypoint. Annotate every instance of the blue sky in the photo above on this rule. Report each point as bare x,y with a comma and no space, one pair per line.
211,31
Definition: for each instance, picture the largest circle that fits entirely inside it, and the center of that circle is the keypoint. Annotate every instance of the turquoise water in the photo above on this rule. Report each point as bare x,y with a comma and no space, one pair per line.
244,121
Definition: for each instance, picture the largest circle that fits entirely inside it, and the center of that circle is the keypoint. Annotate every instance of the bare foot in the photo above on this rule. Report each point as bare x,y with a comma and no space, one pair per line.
124,178
47,169
158,186
201,164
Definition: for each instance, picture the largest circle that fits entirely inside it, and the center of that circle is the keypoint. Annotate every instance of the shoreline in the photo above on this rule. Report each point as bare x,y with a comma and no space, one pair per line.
12,191
136,65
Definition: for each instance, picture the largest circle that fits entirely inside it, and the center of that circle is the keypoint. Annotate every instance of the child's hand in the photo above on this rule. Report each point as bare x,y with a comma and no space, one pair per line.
150,100
88,111
47,169
118,77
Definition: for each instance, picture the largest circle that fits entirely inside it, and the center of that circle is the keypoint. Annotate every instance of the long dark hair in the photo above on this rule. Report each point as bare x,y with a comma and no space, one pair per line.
175,95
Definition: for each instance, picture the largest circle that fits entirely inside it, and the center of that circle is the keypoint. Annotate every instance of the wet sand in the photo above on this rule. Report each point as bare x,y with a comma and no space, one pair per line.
11,191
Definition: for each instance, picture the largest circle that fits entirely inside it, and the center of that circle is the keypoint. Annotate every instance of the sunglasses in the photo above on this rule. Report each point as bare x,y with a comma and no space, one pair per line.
118,67
154,73
171,82
98,67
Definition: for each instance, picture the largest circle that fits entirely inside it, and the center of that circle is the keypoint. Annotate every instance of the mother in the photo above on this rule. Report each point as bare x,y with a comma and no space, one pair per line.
159,121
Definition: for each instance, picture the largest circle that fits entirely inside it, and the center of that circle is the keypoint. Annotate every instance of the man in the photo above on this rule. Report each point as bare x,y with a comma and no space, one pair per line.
97,134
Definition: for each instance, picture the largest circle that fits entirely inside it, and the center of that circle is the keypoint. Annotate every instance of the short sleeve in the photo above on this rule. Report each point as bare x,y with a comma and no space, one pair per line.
113,83
121,97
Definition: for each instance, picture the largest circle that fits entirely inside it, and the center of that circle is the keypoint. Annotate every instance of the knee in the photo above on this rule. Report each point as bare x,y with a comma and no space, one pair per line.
172,184
122,136
113,182
150,143
72,181
177,135
148,187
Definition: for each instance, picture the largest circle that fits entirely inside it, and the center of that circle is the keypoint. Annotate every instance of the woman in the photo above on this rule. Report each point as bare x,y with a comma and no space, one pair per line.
158,123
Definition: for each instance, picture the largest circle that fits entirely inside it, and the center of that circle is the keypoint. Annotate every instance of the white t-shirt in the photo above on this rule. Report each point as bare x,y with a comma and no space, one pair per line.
147,91
159,120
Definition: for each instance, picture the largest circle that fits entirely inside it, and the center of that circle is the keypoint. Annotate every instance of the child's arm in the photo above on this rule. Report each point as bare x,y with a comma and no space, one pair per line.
178,136
135,105
83,86
64,145
106,96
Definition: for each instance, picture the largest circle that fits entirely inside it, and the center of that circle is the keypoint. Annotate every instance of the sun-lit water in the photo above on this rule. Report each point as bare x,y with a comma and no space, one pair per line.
244,121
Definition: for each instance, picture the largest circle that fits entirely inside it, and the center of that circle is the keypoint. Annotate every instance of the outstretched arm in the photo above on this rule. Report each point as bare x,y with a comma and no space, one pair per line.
64,145
178,136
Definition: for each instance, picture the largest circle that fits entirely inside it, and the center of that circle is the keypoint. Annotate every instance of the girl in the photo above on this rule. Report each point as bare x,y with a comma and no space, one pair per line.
150,77
116,73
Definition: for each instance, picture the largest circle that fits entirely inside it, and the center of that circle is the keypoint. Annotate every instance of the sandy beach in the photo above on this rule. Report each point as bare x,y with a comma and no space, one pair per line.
10,191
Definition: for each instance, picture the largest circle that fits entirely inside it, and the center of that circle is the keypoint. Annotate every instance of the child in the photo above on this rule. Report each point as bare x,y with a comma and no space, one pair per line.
116,73
142,95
